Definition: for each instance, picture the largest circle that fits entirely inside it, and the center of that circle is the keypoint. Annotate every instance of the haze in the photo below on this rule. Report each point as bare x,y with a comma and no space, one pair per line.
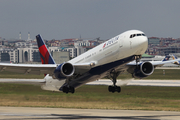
59,19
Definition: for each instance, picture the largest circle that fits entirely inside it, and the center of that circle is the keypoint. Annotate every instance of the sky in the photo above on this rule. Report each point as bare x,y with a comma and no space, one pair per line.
61,19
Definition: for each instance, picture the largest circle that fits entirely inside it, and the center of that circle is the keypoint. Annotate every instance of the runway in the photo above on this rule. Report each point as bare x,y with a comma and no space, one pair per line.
132,82
129,82
30,113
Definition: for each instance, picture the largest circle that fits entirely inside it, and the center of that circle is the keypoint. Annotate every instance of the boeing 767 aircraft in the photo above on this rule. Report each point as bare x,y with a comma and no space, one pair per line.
108,59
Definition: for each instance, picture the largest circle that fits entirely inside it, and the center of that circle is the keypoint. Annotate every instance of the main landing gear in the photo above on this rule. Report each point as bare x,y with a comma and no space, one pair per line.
114,88
67,89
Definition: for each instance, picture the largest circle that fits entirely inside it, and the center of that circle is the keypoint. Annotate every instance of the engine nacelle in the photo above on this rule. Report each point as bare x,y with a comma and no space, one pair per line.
144,70
64,70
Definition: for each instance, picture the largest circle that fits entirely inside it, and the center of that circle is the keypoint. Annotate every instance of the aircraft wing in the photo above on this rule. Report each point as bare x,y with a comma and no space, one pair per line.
154,63
80,68
23,81
29,68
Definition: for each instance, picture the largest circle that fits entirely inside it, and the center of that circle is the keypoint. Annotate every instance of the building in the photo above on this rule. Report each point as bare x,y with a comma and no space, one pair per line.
26,54
153,40
82,43
14,56
168,50
72,52
60,56
80,50
4,56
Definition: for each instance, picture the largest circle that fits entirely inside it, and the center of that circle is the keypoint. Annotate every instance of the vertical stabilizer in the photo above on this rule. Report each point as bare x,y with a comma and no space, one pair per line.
166,58
176,62
45,55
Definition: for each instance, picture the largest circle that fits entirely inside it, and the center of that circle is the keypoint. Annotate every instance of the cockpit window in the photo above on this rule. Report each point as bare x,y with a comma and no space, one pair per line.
143,34
133,35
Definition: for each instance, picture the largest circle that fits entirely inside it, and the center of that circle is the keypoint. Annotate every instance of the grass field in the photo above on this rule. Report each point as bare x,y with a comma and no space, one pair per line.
92,97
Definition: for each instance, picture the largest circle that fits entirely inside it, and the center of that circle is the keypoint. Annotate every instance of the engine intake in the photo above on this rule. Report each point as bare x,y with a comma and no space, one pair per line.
64,70
144,70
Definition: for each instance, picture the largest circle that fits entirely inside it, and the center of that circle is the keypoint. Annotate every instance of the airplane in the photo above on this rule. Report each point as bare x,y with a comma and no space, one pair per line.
108,59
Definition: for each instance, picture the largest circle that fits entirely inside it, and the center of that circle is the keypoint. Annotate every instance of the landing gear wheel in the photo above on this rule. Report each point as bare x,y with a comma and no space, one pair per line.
114,88
118,89
65,89
110,88
71,89
68,89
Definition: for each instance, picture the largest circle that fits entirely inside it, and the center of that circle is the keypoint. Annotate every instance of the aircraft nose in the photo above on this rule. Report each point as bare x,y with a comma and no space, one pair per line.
142,45
144,41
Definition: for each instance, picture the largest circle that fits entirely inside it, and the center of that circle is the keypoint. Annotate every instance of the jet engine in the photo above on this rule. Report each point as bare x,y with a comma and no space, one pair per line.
143,70
64,70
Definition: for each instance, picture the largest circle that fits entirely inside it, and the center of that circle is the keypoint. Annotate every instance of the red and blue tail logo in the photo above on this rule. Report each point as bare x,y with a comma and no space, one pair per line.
46,57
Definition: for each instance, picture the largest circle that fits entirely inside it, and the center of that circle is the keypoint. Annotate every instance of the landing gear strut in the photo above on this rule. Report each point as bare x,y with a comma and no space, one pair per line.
114,88
138,58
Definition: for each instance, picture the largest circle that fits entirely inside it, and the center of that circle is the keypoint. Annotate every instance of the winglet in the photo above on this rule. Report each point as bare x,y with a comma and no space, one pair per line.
45,55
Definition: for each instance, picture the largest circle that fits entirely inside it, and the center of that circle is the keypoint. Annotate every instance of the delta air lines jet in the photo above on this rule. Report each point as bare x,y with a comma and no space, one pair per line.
108,59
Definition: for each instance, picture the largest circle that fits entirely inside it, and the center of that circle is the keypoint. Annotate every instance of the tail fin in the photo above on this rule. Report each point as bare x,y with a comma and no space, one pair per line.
46,57
174,57
166,58
176,62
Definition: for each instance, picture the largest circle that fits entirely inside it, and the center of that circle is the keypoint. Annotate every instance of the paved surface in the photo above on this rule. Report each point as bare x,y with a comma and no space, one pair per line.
132,82
28,113
129,82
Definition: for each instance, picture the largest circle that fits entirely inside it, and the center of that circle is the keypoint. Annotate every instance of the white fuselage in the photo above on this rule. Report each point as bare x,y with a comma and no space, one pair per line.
127,44
116,48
